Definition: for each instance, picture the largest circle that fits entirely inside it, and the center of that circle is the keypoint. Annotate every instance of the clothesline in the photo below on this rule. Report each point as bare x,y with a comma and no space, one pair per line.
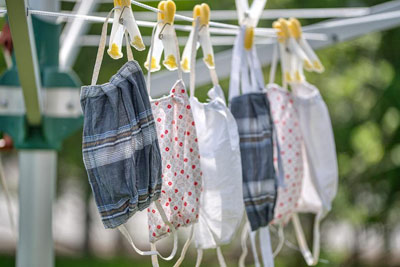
261,32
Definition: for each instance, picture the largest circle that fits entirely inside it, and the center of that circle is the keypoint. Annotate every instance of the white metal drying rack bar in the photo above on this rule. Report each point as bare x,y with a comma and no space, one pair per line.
270,14
222,29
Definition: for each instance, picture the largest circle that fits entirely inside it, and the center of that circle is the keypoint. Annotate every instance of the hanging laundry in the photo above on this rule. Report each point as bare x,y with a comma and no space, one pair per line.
181,170
320,175
221,205
289,134
252,113
288,130
120,148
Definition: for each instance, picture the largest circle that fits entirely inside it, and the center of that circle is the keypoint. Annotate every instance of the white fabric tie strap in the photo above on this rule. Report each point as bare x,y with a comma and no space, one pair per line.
220,256
199,257
128,47
8,199
153,252
254,248
185,247
281,242
274,64
310,258
237,58
150,57
173,230
245,233
265,247
193,57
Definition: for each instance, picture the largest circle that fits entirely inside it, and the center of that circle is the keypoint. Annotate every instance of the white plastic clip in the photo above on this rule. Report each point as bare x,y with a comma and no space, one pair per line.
123,20
296,32
203,12
165,39
249,17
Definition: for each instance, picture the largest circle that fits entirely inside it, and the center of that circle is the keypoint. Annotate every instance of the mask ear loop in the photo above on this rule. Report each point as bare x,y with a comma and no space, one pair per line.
199,257
245,233
193,57
178,55
100,50
311,259
265,247
254,248
128,48
185,247
274,64
173,230
281,237
8,199
150,59
153,253
220,257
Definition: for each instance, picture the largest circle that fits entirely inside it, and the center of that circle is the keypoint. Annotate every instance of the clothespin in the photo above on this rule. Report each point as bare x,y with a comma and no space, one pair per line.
295,29
283,35
165,39
123,20
249,17
297,56
203,13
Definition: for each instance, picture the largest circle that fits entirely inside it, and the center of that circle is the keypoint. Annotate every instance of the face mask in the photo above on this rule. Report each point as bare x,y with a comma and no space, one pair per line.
181,171
252,113
221,205
289,135
286,122
120,147
320,164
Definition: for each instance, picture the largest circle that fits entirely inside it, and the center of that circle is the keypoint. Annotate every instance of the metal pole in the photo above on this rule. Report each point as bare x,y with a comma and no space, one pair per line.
26,58
38,170
36,194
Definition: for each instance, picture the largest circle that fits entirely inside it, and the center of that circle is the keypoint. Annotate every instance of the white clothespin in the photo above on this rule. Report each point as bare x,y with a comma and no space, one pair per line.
249,17
296,32
283,51
203,12
165,39
123,20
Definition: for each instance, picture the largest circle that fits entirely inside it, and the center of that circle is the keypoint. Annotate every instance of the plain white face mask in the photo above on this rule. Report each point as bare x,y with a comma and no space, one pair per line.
221,202
320,163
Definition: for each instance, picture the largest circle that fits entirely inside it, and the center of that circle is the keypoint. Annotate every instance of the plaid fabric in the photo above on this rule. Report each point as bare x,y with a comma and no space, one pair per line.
253,118
120,147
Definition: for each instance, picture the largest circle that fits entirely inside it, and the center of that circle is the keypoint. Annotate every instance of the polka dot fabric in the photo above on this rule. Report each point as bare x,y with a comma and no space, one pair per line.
289,135
181,172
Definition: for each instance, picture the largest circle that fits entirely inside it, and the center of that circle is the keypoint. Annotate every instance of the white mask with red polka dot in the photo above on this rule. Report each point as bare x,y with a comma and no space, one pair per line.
181,172
284,116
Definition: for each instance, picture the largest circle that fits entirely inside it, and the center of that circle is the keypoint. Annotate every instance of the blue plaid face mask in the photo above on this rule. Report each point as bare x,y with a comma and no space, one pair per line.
120,147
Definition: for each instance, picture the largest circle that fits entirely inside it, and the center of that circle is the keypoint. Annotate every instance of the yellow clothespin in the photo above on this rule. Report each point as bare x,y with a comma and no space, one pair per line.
201,12
123,20
296,31
165,39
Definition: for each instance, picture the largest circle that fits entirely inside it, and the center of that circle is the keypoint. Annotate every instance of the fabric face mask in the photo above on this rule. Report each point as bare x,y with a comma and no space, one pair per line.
288,131
286,122
221,205
120,147
320,164
181,170
252,113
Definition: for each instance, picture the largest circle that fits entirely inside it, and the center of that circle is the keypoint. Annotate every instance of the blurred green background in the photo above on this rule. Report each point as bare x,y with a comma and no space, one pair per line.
361,86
